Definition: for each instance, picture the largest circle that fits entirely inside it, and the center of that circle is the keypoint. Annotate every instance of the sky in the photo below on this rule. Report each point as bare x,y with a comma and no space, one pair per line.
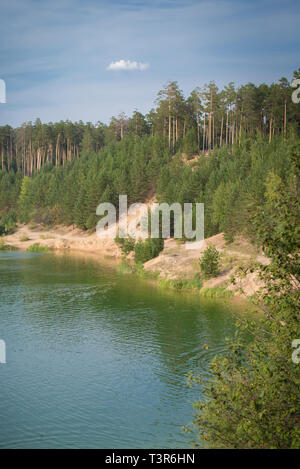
90,60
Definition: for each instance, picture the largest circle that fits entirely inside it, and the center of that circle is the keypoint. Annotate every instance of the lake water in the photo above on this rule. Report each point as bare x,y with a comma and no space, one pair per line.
98,359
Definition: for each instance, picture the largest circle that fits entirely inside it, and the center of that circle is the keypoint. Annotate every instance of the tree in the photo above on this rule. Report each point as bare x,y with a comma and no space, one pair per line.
209,262
253,400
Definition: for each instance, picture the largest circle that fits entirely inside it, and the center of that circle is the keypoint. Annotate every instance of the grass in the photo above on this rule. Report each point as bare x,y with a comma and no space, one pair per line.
124,268
32,226
183,284
38,248
216,292
42,236
141,272
24,238
194,284
137,269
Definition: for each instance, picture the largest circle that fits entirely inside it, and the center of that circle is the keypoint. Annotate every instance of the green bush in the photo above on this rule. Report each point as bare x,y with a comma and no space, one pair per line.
24,238
148,249
38,248
126,244
181,284
209,262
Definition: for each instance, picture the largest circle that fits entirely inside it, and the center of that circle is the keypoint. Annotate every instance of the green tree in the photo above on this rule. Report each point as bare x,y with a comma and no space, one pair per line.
253,399
209,262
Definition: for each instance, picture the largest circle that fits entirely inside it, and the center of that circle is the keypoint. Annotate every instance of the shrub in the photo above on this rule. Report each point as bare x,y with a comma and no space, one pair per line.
38,248
209,263
24,238
181,284
126,244
148,249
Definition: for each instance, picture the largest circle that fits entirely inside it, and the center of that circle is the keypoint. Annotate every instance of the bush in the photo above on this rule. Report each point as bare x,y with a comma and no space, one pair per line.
38,248
209,263
181,284
24,238
126,244
148,249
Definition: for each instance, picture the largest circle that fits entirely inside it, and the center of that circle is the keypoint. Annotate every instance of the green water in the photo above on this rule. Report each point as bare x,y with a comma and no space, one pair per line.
97,359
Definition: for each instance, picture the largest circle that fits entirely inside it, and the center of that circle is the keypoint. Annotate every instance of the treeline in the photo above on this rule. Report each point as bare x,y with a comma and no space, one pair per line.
207,119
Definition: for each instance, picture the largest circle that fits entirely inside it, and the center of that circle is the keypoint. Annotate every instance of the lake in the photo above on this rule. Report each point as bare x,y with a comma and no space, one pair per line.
96,358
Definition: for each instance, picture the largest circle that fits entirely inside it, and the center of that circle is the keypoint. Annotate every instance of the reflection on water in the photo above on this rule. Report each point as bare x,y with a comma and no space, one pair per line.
96,358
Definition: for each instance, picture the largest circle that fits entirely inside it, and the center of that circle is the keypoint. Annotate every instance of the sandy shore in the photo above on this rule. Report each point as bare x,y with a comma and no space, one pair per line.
63,238
174,262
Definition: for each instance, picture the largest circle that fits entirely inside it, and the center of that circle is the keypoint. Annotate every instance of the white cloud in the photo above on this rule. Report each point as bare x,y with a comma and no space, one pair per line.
127,65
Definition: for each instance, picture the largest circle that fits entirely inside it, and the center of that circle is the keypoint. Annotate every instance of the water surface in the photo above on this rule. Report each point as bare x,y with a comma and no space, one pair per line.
97,359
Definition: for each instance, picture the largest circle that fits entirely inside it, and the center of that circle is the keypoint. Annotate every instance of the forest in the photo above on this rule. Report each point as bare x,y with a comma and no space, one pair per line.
220,147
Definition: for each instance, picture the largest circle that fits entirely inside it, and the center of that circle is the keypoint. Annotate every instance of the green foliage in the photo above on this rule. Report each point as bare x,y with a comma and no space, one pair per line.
24,238
127,244
181,284
209,262
25,200
8,222
36,247
124,268
148,249
253,399
216,292
230,182
190,145
141,272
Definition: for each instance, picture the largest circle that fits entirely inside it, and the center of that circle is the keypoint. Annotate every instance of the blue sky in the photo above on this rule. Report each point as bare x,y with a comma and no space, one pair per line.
55,55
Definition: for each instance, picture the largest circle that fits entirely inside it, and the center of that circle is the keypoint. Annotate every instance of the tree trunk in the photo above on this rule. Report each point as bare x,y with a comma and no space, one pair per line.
209,131
284,125
2,156
270,130
226,127
169,122
221,132
173,134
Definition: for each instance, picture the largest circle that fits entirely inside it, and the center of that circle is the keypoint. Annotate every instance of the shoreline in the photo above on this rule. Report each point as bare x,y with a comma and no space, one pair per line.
174,268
